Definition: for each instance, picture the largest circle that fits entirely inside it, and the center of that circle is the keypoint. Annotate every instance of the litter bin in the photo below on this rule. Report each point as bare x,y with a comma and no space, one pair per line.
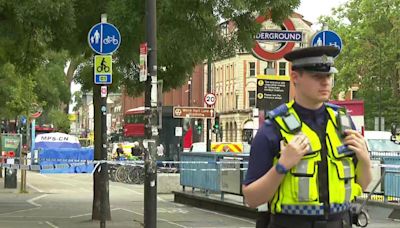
10,178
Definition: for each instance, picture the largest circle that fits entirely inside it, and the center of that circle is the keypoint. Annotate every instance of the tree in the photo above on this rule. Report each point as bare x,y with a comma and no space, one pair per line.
188,33
60,120
370,57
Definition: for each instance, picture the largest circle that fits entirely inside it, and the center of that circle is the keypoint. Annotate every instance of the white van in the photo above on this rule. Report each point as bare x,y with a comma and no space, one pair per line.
379,143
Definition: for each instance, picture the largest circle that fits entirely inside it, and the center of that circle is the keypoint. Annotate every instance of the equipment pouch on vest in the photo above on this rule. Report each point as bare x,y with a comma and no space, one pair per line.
304,176
345,174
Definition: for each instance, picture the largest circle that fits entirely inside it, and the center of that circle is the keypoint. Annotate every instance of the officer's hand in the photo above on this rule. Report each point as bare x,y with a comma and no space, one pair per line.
356,142
292,152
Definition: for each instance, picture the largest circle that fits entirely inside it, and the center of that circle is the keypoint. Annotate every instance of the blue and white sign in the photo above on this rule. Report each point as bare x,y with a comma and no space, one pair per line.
103,79
327,38
280,36
56,140
104,38
23,120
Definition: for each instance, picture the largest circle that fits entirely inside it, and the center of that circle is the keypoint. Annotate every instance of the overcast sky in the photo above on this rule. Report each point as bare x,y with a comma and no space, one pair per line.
312,9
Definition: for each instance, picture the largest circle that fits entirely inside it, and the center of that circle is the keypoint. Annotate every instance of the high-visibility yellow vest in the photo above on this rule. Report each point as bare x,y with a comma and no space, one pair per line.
299,192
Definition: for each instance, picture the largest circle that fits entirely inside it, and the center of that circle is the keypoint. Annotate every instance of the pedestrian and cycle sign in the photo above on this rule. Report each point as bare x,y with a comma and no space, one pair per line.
103,69
104,38
327,38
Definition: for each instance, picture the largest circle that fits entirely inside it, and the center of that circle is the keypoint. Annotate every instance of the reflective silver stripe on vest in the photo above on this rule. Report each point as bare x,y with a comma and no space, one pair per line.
304,182
347,175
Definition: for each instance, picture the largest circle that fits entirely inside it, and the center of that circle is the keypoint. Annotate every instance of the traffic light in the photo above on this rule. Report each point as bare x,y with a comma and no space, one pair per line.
199,126
216,127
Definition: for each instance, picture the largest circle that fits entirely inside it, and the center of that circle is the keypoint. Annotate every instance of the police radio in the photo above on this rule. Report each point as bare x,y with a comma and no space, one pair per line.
344,123
292,123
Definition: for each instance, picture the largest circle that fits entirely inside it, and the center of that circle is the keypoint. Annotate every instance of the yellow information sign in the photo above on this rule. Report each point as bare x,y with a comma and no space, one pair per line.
103,64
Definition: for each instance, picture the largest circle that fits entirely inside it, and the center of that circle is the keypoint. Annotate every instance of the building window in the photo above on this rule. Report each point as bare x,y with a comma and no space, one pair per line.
252,68
270,69
252,99
237,101
282,68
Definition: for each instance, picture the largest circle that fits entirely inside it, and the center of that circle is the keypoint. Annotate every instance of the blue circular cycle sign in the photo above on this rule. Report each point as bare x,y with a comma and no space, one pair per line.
327,38
104,38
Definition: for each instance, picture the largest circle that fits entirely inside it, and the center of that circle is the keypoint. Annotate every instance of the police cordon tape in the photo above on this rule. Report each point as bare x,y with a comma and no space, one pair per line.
75,162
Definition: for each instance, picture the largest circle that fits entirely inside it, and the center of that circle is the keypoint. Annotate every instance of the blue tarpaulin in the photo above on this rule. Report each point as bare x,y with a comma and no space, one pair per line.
56,140
85,154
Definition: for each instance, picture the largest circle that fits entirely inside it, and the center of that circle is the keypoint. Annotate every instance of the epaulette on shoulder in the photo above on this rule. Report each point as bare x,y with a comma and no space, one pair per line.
333,106
278,111
268,122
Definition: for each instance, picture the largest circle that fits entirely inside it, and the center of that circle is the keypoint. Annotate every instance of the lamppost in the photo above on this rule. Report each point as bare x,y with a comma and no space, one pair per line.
189,91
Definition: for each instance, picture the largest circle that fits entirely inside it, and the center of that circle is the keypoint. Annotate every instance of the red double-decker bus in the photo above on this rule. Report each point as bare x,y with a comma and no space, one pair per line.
134,122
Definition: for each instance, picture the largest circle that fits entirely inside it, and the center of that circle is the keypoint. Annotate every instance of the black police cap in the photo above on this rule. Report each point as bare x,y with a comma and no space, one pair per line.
314,59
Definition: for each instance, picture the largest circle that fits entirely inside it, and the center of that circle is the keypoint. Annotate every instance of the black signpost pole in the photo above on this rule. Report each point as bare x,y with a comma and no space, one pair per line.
208,91
150,169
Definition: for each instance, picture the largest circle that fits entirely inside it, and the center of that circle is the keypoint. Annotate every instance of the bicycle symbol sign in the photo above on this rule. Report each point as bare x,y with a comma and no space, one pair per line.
103,69
104,38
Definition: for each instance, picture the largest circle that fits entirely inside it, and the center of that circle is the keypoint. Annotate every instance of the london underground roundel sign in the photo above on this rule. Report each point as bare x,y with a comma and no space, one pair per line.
273,42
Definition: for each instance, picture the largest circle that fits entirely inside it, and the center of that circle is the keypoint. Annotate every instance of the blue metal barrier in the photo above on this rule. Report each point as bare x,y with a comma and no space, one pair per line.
392,177
200,175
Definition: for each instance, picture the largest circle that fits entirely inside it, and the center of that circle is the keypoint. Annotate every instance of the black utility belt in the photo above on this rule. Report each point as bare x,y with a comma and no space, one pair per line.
339,220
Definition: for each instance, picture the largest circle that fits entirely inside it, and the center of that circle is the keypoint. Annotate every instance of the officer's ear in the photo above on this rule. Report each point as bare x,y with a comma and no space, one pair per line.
295,76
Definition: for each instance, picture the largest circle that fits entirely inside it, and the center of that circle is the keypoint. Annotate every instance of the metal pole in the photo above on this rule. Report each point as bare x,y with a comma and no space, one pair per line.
150,183
22,159
208,91
189,91
103,138
380,89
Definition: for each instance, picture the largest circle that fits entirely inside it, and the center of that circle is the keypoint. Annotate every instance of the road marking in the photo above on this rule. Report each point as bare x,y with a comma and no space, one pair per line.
35,188
87,214
31,201
159,219
81,215
51,224
228,216
23,210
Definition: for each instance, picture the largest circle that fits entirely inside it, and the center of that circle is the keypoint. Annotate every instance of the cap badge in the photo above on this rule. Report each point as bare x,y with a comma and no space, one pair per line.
324,59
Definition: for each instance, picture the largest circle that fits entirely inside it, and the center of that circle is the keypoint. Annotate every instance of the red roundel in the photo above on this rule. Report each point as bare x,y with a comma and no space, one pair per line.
287,47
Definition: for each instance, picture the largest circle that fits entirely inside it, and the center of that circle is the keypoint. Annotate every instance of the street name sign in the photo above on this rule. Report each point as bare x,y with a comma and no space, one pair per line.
104,38
193,112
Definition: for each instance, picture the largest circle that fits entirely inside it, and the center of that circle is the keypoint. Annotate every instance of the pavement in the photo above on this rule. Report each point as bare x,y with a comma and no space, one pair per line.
65,200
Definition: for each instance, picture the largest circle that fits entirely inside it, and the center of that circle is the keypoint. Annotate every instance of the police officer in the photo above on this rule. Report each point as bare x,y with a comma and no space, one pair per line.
300,162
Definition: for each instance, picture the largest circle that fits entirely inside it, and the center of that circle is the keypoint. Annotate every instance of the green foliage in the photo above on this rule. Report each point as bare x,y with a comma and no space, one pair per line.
37,38
29,27
187,34
50,80
59,120
18,94
370,31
